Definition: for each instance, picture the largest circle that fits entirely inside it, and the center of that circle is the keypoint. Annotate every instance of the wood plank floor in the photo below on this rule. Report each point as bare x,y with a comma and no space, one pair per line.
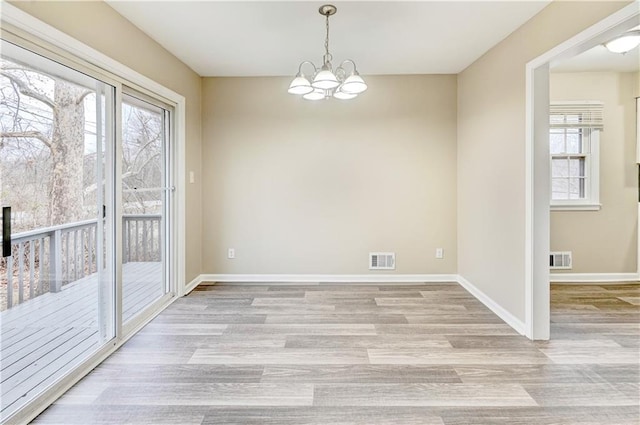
370,354
49,335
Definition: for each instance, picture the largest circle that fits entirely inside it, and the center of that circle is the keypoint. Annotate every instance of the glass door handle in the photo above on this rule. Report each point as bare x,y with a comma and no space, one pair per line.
6,231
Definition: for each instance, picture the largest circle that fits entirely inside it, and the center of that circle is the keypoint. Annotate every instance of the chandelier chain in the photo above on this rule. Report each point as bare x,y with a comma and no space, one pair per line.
326,41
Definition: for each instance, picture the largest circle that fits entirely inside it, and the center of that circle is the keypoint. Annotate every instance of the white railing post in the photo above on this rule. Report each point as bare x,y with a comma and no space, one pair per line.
20,272
55,261
40,264
125,240
9,282
32,261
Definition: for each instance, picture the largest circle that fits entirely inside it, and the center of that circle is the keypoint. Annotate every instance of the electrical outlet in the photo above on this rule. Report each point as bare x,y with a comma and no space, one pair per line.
231,253
439,253
192,177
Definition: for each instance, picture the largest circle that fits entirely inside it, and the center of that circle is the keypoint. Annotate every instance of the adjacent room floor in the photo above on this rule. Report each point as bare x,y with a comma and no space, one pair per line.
374,354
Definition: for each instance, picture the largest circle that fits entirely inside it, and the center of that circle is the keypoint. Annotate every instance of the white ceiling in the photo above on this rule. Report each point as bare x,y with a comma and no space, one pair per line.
599,59
265,38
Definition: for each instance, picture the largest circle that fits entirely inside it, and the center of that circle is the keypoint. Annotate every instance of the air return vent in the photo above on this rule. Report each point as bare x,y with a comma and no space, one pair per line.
560,260
382,261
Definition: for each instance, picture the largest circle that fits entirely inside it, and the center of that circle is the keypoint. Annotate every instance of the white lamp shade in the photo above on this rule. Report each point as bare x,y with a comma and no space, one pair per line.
624,43
344,96
300,85
325,80
354,84
315,95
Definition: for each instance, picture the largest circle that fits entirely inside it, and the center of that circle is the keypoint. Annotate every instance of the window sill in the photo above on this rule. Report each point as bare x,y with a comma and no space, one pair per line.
576,207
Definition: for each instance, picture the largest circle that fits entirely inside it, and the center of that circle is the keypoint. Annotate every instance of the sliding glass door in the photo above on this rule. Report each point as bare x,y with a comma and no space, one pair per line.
146,198
57,281
86,201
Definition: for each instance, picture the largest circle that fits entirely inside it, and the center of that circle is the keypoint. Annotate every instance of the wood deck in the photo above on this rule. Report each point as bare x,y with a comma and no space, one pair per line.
47,336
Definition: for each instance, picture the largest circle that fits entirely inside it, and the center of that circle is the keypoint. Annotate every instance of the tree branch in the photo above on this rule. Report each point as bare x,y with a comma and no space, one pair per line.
31,134
131,173
82,96
28,91
127,174
143,148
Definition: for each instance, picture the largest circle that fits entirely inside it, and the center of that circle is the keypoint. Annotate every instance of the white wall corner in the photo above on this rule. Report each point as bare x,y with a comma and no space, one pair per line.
511,320
192,285
594,278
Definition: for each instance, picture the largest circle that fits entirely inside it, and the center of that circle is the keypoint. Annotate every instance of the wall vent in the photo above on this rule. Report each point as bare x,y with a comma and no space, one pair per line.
560,260
382,261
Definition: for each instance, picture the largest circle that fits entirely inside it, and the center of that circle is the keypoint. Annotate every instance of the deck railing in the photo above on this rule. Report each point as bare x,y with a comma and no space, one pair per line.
142,238
46,259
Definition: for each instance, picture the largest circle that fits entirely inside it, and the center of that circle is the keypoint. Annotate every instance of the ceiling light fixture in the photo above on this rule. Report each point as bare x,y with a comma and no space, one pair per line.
624,42
323,82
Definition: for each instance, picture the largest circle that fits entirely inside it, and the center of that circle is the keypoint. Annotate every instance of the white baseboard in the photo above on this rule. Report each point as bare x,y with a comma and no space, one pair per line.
192,285
594,278
509,318
328,278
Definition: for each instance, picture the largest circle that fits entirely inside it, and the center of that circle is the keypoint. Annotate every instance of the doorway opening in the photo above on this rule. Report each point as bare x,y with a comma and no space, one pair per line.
538,163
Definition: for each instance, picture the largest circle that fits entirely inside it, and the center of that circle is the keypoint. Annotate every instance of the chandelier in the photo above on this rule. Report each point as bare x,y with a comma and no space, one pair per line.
323,82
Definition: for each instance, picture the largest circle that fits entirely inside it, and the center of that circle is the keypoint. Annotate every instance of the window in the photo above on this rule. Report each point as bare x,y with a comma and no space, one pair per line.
574,147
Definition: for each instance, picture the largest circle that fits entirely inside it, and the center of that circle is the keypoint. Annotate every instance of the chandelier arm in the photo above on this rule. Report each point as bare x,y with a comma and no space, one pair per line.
305,62
353,64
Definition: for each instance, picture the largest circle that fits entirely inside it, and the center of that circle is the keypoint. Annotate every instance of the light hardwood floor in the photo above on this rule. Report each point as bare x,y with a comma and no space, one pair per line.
336,354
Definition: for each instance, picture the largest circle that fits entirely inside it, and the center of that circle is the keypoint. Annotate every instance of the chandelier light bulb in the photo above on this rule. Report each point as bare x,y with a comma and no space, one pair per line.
624,43
325,82
325,79
344,96
354,84
300,85
317,94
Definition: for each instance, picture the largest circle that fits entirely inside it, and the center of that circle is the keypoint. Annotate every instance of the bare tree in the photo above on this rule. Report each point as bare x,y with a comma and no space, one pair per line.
63,137
48,170
142,158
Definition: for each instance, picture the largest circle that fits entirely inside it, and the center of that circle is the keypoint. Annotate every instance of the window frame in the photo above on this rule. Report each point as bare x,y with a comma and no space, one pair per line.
591,202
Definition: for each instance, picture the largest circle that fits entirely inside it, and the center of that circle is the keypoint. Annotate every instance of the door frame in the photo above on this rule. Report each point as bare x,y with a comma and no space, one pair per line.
638,169
537,179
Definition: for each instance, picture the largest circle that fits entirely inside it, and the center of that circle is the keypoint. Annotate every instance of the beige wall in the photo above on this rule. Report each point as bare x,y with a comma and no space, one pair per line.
491,154
99,26
312,187
603,241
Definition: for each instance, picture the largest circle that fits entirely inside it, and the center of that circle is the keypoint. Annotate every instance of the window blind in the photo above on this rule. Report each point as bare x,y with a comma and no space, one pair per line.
576,115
